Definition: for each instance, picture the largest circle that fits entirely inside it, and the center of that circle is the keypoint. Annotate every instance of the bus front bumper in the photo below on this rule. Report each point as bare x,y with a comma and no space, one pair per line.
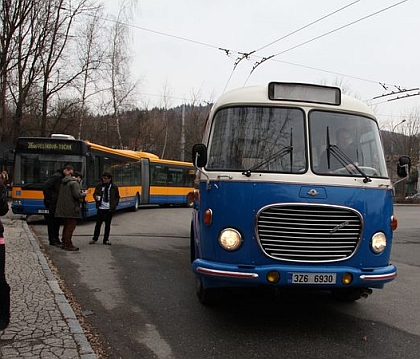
320,276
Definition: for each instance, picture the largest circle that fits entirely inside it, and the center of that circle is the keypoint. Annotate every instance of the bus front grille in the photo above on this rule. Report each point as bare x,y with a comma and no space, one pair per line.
308,232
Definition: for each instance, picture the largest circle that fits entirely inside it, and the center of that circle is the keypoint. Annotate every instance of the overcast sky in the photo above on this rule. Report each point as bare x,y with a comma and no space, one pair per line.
359,44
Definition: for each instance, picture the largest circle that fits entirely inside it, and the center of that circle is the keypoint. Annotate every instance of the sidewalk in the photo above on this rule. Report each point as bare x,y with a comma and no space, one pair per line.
42,323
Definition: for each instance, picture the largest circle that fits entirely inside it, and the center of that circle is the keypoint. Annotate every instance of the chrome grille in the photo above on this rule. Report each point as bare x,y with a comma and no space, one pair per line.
308,233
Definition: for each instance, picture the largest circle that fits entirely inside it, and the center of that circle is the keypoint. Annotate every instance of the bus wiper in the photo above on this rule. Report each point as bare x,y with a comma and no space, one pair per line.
346,162
284,151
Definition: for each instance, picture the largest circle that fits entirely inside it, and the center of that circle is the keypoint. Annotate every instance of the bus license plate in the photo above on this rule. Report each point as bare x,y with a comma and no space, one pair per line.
43,211
313,278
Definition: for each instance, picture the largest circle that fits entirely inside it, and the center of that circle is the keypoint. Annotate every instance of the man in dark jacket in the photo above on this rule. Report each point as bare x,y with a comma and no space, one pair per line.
107,196
68,207
50,189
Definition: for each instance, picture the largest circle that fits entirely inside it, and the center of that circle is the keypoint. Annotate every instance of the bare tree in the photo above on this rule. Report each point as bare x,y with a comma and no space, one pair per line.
13,17
37,62
91,57
166,96
121,87
58,17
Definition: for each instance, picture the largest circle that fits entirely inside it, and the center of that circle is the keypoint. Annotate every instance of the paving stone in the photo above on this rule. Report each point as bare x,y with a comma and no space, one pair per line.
43,324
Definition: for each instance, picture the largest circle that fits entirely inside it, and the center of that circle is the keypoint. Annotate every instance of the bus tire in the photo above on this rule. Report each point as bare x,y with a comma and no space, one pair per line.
192,245
206,296
189,200
136,204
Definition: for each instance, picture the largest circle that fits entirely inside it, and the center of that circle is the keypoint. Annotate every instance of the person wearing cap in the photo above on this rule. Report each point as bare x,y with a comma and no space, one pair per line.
106,196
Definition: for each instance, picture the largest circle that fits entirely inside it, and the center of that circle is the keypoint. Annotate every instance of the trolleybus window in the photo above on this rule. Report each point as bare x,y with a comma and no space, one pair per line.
260,138
342,142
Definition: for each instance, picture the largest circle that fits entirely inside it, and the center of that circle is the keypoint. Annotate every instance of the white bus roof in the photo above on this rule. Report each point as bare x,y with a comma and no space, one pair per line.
258,95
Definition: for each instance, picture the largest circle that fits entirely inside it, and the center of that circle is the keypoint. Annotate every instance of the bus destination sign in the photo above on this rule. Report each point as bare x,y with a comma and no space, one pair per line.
50,146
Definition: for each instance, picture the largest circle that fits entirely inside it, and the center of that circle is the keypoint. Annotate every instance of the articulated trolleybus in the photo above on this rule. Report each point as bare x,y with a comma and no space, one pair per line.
142,178
281,202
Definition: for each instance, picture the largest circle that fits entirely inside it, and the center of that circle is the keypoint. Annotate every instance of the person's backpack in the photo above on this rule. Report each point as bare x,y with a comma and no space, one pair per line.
4,203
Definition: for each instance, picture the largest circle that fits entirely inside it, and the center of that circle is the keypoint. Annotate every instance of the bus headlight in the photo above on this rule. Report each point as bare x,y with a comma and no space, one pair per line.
378,242
230,239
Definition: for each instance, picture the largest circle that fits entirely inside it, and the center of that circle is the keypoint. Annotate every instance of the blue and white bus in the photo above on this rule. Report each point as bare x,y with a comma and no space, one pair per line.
281,203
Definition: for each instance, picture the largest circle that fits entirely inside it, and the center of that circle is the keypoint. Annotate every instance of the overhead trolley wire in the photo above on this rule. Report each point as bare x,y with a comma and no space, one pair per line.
258,63
248,55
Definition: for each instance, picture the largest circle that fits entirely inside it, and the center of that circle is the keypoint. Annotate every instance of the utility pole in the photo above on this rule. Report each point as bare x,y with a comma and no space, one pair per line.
183,132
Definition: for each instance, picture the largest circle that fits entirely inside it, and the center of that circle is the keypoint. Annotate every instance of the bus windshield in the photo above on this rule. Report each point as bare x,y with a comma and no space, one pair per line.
267,139
345,144
36,169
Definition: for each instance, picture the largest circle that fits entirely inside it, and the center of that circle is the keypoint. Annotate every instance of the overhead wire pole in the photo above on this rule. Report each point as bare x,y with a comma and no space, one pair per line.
183,133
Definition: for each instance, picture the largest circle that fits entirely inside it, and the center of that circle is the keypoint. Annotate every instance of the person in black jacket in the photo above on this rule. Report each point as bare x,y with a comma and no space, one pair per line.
51,189
107,196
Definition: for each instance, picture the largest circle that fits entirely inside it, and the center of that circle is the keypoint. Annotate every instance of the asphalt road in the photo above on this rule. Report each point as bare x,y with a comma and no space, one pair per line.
139,294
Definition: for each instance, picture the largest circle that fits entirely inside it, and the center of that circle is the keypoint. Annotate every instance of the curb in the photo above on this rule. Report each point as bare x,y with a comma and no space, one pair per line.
86,351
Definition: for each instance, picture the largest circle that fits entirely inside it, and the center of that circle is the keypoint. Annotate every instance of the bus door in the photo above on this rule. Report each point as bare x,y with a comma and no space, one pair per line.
145,181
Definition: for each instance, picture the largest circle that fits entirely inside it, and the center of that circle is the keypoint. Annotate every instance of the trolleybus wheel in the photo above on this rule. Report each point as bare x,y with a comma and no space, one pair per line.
190,200
192,245
206,296
136,204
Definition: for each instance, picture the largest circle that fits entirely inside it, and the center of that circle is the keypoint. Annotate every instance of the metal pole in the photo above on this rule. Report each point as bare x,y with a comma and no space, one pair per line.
183,132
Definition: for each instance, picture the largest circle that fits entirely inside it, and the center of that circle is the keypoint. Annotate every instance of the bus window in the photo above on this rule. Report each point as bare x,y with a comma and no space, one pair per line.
340,141
270,139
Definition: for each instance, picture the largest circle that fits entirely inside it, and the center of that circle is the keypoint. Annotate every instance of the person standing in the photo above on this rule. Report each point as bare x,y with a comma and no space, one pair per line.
4,286
107,196
50,189
68,207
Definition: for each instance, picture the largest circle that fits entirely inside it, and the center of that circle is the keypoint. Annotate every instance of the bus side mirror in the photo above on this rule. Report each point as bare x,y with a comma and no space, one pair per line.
199,155
403,166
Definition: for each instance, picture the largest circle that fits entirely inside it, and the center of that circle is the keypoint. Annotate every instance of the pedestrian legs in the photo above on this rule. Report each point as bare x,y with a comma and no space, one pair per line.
108,219
68,229
53,224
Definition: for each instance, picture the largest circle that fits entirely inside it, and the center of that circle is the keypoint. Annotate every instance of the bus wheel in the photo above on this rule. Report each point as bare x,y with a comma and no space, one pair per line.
347,295
206,296
190,200
192,245
136,204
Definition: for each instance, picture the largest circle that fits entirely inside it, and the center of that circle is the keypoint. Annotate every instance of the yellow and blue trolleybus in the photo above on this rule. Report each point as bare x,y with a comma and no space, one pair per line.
142,178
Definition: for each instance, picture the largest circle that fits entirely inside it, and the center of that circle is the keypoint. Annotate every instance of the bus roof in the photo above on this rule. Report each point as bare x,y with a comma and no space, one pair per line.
258,95
136,154
127,153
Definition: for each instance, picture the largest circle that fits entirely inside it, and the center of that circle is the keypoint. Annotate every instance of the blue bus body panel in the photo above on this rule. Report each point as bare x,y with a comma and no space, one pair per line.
167,199
369,269
29,206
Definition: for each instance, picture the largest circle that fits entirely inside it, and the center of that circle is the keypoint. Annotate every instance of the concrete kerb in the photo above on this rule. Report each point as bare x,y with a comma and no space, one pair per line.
86,351
43,324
